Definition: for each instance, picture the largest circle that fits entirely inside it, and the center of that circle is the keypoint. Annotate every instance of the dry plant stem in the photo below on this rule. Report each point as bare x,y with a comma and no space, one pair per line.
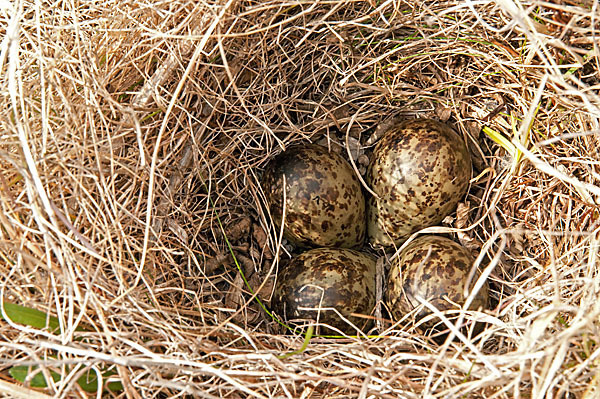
175,180
16,391
142,98
163,73
241,98
150,203
36,187
544,167
364,184
379,287
155,359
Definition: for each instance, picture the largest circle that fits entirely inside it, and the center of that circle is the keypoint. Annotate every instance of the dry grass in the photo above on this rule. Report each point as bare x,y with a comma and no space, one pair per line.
126,128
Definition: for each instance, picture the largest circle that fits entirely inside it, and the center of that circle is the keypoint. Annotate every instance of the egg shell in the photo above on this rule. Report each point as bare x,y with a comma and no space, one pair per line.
436,269
420,170
325,206
325,278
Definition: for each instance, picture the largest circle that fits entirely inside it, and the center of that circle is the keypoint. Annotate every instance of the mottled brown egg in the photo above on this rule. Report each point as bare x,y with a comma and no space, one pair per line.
436,269
323,279
420,170
324,205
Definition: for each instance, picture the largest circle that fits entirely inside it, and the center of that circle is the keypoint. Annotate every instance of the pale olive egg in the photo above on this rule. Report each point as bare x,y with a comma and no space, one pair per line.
436,269
318,281
324,203
420,170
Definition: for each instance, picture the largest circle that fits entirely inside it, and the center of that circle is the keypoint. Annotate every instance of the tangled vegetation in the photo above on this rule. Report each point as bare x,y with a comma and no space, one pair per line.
134,244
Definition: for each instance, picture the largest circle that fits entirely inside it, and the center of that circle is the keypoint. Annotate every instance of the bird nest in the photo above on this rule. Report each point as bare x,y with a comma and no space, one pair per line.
138,259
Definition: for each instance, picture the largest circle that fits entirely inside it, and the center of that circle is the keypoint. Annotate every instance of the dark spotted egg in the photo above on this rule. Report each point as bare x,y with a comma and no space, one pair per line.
324,205
420,170
436,269
321,284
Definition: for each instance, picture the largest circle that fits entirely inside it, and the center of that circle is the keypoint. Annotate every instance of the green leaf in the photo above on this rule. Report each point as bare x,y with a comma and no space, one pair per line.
88,381
38,319
31,317
20,373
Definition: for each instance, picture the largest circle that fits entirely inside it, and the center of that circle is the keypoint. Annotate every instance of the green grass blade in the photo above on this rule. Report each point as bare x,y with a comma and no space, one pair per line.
502,141
31,317
307,337
88,381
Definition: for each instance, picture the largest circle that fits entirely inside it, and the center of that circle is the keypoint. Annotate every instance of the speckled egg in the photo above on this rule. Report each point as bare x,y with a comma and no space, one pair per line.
436,269
324,279
420,169
324,206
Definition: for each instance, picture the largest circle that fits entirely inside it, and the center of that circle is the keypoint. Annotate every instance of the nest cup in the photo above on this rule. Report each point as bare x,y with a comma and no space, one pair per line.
138,259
